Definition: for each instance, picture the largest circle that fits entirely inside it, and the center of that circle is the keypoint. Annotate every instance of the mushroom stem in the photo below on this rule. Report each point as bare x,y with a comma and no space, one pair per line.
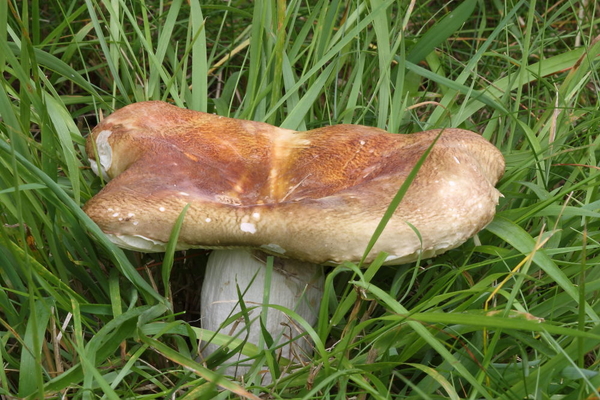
295,285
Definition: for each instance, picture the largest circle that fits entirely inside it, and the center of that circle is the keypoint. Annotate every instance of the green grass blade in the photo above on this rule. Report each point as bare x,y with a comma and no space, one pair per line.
398,199
31,358
74,208
524,243
298,114
199,97
441,31
167,264
426,335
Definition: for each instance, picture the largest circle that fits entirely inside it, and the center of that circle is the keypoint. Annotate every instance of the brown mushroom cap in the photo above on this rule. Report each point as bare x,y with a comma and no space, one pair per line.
315,196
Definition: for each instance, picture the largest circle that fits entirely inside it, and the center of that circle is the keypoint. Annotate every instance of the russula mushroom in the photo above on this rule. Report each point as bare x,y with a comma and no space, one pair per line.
314,196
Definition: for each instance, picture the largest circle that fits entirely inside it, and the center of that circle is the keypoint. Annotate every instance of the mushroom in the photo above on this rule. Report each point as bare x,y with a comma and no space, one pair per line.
310,198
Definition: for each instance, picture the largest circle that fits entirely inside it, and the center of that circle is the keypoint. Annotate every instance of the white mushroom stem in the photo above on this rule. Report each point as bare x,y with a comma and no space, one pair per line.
295,285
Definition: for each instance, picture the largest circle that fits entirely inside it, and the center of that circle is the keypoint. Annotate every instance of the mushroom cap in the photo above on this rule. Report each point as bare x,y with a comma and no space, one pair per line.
315,196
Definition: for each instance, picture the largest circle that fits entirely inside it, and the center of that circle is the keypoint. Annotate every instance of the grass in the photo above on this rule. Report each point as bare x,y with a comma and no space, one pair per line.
510,315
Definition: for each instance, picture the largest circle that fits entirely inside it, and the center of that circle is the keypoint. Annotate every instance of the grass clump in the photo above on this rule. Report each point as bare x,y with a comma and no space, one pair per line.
510,315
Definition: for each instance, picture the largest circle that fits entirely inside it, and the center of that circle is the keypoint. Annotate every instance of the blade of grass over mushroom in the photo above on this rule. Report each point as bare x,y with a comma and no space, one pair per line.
266,336
397,199
167,264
